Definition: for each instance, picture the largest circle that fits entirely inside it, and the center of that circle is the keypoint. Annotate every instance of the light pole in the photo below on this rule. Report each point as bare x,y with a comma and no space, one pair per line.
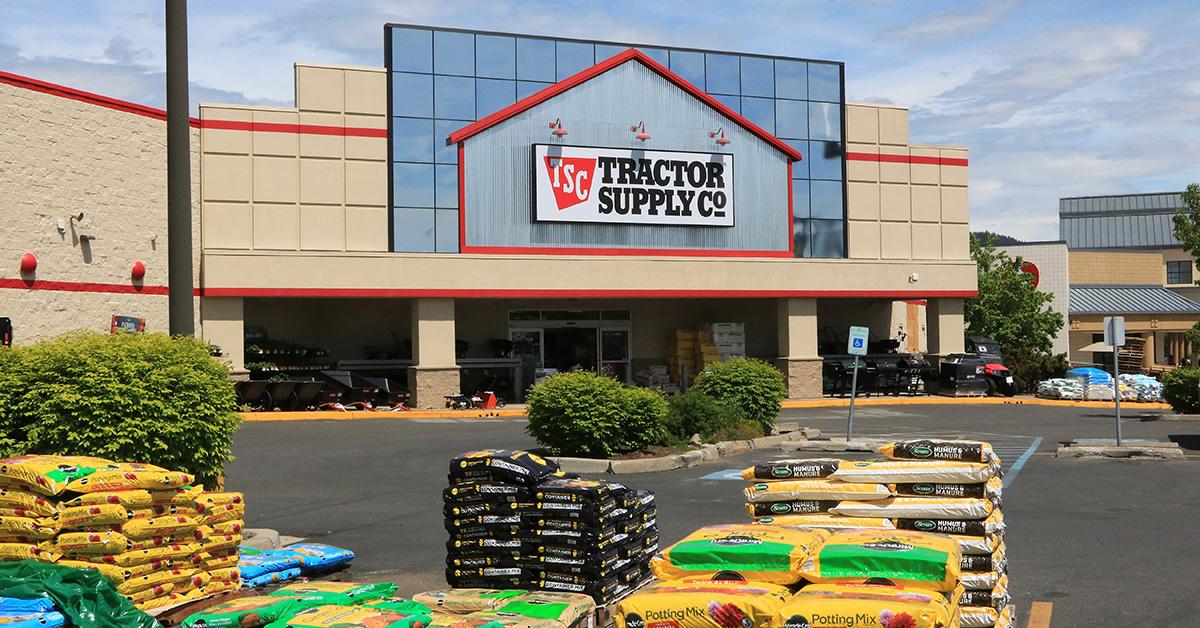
179,175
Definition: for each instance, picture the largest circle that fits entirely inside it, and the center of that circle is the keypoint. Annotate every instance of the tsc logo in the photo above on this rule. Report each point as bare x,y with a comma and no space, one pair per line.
571,179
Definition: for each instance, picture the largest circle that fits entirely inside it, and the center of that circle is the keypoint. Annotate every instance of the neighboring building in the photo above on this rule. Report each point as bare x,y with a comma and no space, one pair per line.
420,218
1048,262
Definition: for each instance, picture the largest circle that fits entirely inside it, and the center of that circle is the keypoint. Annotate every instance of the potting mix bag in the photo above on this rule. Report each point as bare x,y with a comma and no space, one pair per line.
502,465
271,577
968,509
820,490
317,556
93,515
352,617
925,449
222,512
47,475
121,476
91,543
693,603
791,507
993,489
129,499
908,559
566,608
45,619
184,496
760,553
337,592
26,500
141,557
14,605
992,524
467,600
802,469
219,498
914,471
26,551
26,528
827,521
857,605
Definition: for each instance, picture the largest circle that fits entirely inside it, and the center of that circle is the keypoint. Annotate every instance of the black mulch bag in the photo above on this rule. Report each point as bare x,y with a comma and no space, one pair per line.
568,490
482,508
813,469
486,492
502,465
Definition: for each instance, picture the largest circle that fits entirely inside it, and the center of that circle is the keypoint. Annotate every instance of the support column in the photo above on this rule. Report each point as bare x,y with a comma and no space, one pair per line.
947,331
1148,348
223,324
434,373
798,358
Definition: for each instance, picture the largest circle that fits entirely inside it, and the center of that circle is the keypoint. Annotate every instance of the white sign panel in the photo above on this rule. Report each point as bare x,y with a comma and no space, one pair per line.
626,186
1114,331
857,344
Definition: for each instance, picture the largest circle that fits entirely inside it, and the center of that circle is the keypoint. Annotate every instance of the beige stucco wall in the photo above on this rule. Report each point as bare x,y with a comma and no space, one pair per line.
289,191
58,157
1116,268
902,211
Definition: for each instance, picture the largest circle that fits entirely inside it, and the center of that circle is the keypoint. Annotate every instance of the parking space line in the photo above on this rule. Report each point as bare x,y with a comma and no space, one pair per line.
1039,615
1016,468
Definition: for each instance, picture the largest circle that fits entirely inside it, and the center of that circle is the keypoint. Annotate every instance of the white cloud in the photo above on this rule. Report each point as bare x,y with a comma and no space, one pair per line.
944,27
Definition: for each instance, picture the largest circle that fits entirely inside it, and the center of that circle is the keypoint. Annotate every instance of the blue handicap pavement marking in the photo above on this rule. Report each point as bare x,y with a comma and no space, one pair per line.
727,474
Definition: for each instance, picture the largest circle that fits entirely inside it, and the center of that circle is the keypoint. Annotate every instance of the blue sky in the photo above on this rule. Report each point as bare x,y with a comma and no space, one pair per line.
1054,99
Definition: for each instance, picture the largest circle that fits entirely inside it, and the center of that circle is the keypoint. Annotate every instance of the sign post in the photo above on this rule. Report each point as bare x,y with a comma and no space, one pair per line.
1114,336
856,346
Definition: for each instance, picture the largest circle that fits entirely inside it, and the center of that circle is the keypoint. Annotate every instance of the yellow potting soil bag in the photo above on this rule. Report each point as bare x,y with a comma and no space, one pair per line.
826,522
226,527
959,508
208,562
48,521
139,529
166,510
220,542
48,475
145,595
73,543
25,551
128,499
184,496
954,450
467,600
223,512
140,557
693,603
915,471
220,586
220,498
352,616
91,515
227,574
903,557
759,553
176,577
27,500
26,528
162,541
123,476
863,605
787,490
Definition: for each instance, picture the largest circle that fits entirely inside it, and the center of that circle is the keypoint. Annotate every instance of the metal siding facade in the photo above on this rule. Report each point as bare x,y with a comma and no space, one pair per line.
599,112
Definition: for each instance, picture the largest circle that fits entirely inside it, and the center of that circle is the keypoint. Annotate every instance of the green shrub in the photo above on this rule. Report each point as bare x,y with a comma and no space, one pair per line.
1180,390
126,397
742,430
694,412
752,386
581,413
1030,366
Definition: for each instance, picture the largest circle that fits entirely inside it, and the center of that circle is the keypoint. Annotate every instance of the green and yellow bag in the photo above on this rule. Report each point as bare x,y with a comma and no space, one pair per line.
905,558
565,608
702,603
351,617
245,612
337,592
759,553
857,605
462,601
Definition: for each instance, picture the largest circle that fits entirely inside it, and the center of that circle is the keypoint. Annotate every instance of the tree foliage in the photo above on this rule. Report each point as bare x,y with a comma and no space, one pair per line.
1009,309
751,386
582,413
1187,222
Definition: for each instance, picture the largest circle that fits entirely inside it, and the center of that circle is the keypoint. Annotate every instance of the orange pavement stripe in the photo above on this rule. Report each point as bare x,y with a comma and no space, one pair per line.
1039,615
331,415
907,401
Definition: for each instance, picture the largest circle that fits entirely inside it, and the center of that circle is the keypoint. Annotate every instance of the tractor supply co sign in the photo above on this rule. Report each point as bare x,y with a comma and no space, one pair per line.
624,186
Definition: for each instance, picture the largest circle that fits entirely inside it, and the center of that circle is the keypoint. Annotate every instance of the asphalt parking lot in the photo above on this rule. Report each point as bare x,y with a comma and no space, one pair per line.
1108,542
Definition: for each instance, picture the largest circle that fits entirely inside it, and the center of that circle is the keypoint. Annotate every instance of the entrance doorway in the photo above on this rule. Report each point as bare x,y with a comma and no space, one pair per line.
549,341
570,348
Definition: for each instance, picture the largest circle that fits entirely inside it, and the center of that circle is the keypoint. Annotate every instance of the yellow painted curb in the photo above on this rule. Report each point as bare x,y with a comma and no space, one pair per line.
962,401
352,415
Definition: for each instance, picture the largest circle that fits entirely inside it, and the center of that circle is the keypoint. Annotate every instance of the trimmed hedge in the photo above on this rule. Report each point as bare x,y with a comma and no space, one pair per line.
581,413
752,386
694,412
1180,390
127,397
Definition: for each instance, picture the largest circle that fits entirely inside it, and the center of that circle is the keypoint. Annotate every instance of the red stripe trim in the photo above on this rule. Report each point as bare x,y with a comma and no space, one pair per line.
303,129
75,286
550,293
62,91
602,67
906,159
462,201
791,216
552,250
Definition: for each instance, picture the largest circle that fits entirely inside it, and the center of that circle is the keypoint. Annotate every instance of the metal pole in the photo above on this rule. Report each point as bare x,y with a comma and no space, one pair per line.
853,393
1117,388
179,174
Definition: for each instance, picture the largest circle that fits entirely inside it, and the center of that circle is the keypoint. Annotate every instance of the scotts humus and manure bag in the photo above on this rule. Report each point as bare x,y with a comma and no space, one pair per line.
992,489
866,605
908,559
996,598
924,449
791,507
993,524
818,490
905,471
961,508
801,469
827,522
702,603
983,617
757,553
502,465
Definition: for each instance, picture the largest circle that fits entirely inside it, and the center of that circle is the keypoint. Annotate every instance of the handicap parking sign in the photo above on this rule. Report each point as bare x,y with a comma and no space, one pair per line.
858,341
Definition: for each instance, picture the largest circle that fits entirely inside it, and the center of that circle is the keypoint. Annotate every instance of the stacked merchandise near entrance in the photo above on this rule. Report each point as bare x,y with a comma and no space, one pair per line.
938,486
517,522
729,339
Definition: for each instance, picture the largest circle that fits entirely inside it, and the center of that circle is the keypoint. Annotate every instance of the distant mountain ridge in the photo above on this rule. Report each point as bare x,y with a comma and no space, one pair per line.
998,239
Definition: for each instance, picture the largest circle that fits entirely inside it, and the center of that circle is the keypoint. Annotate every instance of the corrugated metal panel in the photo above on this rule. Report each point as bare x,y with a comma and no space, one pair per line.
599,113
1129,300
1118,231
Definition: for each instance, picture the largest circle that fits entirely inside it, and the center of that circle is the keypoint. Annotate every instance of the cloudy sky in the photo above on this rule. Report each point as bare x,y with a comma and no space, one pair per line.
1062,98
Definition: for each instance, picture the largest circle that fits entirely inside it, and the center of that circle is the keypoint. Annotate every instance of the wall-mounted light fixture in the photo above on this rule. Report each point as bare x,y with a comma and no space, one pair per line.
558,131
642,135
138,272
28,264
720,135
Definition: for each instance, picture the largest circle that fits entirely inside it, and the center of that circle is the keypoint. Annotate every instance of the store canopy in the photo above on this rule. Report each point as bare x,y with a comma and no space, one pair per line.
1118,300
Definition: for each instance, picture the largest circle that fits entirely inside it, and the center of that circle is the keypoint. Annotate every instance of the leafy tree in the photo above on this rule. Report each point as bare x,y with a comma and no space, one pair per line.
1009,309
1187,222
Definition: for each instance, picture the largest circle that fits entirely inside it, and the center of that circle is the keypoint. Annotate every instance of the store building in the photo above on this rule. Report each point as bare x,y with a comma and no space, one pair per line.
507,203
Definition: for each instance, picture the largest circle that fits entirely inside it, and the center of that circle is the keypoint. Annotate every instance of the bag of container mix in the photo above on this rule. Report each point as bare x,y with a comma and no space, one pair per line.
914,471
25,619
819,490
502,465
907,559
348,616
702,603
855,605
337,592
968,509
467,600
992,524
927,449
273,577
992,489
803,469
826,522
760,553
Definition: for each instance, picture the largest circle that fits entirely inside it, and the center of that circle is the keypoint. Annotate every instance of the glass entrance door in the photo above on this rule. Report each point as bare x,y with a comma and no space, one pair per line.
614,353
527,347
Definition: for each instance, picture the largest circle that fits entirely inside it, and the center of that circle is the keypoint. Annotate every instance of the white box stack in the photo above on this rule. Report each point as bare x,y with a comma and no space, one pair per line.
730,339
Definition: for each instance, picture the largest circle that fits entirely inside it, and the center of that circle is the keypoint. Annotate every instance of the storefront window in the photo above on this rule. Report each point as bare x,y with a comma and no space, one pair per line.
825,82
826,199
496,56
412,140
791,119
412,229
454,98
721,74
824,121
412,95
825,160
800,198
442,129
412,185
527,88
800,237
733,102
446,187
535,59
827,240
446,231
454,53
791,79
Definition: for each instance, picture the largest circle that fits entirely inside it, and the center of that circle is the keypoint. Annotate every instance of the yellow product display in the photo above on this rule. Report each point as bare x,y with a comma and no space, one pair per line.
93,515
863,605
91,543
759,553
957,508
220,542
117,574
223,512
226,527
25,500
26,551
827,522
21,513
160,541
25,528
145,595
210,562
185,496
821,490
219,499
47,475
128,499
165,510
122,476
692,603
228,574
138,529
175,577
141,557
903,557
953,450
915,471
